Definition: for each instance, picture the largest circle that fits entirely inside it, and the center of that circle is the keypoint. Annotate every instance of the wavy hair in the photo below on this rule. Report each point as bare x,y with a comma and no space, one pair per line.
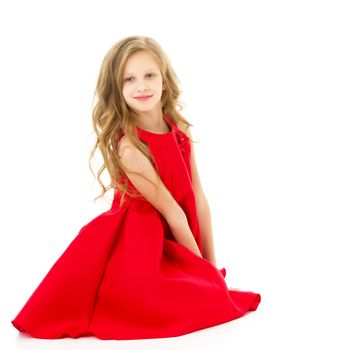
111,115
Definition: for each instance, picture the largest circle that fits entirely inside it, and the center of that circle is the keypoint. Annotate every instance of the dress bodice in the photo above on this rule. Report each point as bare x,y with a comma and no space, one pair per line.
171,152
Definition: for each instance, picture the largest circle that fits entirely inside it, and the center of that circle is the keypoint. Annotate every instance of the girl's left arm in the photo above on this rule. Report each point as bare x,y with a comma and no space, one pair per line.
205,225
203,210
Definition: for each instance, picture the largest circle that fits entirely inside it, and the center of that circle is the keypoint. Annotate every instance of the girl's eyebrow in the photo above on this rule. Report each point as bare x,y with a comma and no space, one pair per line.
147,70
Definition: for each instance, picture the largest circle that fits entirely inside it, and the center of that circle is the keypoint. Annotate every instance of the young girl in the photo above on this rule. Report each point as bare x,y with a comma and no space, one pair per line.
145,268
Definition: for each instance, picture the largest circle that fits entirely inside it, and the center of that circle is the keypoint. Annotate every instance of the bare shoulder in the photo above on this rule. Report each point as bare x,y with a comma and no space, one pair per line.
123,144
132,157
124,140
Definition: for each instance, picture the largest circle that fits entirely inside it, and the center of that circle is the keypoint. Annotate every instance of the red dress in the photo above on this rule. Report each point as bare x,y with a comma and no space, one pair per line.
124,276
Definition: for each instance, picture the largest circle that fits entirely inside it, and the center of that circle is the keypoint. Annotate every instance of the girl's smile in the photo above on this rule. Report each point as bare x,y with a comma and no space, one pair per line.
143,98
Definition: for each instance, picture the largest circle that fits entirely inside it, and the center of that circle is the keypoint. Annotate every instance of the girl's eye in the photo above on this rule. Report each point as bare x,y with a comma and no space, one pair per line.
150,74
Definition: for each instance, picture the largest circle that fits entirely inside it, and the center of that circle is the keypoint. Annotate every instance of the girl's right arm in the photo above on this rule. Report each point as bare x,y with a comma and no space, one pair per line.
160,197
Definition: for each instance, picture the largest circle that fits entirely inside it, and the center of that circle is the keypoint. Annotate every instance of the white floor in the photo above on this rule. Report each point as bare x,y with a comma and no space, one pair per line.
303,317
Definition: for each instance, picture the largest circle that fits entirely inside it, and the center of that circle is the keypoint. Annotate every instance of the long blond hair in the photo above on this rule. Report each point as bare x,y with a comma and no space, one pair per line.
111,115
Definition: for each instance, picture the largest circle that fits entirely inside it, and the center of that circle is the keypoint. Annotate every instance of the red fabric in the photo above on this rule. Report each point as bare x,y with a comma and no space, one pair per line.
124,276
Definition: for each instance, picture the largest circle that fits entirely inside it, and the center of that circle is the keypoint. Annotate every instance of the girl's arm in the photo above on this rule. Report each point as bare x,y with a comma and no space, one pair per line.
180,228
204,218
159,197
203,210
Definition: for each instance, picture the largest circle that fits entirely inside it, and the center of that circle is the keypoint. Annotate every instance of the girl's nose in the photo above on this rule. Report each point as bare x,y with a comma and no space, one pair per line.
142,86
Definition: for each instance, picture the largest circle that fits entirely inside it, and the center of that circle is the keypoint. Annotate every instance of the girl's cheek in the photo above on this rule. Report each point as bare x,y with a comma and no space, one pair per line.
126,91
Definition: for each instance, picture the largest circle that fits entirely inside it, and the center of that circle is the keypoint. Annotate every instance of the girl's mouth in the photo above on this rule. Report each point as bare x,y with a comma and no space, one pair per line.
143,98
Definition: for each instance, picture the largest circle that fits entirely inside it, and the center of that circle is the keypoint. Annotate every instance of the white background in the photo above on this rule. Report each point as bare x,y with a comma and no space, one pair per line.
266,85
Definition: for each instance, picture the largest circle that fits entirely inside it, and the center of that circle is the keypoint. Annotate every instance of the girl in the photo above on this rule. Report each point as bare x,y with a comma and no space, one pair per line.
145,268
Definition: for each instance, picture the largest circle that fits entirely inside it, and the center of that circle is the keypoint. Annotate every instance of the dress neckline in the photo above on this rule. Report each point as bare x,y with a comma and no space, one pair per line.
161,139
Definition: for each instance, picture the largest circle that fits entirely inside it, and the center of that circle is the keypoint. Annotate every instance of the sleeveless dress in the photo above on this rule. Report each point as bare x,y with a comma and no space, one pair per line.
124,276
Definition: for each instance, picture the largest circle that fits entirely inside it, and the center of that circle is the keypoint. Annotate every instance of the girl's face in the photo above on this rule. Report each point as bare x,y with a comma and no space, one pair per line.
142,77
